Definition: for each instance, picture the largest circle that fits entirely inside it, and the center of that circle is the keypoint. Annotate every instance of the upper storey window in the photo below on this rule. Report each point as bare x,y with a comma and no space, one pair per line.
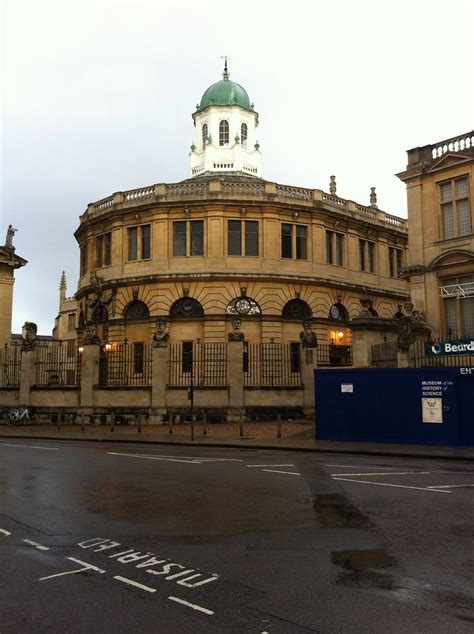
139,243
204,134
244,135
334,248
294,241
223,132
104,250
242,237
455,212
367,256
188,238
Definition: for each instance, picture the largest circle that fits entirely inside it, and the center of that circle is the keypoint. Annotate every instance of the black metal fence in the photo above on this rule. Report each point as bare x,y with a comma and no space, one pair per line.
57,365
272,364
384,355
10,366
125,364
423,360
330,354
198,364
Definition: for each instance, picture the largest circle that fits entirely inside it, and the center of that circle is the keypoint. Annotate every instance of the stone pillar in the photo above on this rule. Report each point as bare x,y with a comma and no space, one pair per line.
404,360
27,376
89,376
236,380
309,361
159,382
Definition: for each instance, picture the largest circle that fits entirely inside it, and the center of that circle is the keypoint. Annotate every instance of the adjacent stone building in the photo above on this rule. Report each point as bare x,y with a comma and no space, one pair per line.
440,185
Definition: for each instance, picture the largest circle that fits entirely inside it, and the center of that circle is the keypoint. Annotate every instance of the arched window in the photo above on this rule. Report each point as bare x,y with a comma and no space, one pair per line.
136,310
338,312
243,135
186,307
223,132
296,309
243,306
204,136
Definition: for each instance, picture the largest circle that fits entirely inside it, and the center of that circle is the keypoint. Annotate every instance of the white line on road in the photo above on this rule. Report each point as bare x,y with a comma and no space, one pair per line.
2,530
286,472
145,457
130,582
384,473
191,605
5,444
355,466
450,486
85,566
35,544
399,486
269,465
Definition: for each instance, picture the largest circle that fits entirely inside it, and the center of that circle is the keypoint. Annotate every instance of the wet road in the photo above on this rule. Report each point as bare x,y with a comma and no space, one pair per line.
116,537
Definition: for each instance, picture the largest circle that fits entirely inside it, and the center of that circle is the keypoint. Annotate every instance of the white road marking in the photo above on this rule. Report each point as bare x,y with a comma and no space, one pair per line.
174,457
356,466
5,444
137,455
130,582
399,486
85,566
35,544
383,473
276,471
451,486
2,530
269,465
191,605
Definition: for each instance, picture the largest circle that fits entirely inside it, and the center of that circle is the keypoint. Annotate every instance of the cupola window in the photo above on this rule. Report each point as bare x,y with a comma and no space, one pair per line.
204,136
243,135
224,132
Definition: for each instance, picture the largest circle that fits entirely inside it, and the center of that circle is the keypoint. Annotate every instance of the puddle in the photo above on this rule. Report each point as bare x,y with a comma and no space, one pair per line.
362,559
335,511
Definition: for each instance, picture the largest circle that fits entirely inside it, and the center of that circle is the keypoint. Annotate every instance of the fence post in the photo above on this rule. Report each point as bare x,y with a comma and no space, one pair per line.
241,425
27,376
278,425
309,361
159,381
89,375
204,422
236,381
170,421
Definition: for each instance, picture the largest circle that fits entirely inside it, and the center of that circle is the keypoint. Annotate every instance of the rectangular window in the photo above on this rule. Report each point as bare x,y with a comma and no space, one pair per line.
251,237
71,348
399,259
187,357
301,248
71,322
295,358
197,237
391,261
132,244
179,238
145,230
138,351
367,256
286,240
455,208
103,250
99,246
84,259
234,237
334,248
459,307
107,249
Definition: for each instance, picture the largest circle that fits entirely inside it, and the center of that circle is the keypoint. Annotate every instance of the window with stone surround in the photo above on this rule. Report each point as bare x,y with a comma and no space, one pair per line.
395,261
103,250
188,238
204,134
244,135
455,208
224,132
294,241
242,237
367,256
458,306
139,243
334,248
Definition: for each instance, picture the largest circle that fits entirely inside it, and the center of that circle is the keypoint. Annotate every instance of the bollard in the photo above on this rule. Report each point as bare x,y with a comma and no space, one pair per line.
112,421
204,423
82,422
139,427
241,425
59,419
278,425
170,420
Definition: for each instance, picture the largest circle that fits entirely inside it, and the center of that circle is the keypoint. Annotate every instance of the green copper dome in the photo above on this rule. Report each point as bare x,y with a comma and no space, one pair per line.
225,93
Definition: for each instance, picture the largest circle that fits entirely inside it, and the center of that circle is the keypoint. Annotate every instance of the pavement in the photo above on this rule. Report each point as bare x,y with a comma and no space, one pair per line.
295,436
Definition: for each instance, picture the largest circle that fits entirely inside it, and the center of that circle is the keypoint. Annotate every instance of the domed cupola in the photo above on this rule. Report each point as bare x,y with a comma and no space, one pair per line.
225,123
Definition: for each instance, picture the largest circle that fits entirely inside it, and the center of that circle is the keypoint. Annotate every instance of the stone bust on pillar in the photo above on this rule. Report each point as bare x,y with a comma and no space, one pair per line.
29,336
236,334
90,333
160,337
307,336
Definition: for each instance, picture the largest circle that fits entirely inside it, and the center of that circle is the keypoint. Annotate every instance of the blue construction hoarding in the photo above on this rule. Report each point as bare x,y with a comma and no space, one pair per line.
428,406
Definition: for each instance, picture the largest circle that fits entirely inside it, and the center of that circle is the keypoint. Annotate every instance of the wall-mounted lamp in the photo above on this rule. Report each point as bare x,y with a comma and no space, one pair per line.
81,349
108,347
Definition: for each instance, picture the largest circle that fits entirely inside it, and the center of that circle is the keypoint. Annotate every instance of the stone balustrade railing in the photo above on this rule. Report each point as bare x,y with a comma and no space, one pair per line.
429,153
260,190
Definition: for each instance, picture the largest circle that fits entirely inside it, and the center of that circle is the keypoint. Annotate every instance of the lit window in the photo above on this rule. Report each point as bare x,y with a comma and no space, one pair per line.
223,132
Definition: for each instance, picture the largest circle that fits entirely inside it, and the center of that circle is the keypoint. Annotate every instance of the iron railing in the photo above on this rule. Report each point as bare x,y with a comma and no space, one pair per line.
125,364
198,364
57,365
384,355
10,366
423,360
330,354
272,364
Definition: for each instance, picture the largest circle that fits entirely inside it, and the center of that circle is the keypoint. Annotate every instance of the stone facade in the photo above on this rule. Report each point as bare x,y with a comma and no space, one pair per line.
440,185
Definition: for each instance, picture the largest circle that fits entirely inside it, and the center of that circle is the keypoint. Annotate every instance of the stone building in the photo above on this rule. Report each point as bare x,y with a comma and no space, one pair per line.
65,326
440,182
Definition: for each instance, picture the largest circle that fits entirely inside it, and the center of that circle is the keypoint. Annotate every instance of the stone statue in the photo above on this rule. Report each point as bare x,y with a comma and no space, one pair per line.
90,333
9,239
29,336
406,336
236,334
161,337
100,302
307,336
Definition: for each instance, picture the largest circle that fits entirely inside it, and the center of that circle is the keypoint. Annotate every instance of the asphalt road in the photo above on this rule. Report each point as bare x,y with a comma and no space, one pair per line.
117,538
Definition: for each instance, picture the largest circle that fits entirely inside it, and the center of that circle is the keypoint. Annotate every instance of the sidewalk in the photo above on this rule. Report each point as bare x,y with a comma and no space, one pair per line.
295,436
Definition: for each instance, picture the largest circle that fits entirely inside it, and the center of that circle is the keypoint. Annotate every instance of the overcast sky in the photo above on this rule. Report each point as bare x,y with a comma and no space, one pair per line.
97,98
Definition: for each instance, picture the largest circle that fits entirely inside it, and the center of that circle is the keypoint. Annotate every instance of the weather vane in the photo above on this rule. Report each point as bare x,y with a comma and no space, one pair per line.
226,73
